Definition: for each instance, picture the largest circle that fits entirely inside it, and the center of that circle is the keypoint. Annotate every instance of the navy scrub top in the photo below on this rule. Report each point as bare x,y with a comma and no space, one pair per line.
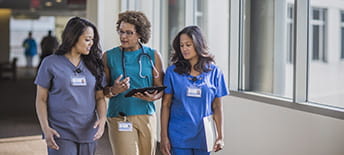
185,128
71,109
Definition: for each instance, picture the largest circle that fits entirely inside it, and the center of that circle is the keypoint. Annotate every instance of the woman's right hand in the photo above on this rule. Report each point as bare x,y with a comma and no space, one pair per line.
50,133
121,85
118,86
165,146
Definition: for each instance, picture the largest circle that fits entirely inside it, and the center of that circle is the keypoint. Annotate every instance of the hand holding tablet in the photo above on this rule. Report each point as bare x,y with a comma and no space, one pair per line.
142,90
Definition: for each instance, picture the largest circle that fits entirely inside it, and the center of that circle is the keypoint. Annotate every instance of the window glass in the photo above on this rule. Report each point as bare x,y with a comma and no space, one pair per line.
267,47
177,15
176,19
19,29
325,79
318,34
316,40
201,12
342,35
342,42
290,34
316,14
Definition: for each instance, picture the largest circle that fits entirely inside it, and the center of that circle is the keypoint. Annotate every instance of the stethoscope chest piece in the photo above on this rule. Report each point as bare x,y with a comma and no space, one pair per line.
139,60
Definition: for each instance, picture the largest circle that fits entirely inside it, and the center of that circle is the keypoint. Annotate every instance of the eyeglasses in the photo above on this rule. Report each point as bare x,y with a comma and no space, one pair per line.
128,33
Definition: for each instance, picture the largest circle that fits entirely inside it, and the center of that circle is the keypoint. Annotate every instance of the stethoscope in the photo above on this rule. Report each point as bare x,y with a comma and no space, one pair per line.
141,55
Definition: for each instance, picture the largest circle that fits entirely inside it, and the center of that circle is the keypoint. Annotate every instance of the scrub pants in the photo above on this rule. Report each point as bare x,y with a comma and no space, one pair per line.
182,151
68,147
140,141
29,60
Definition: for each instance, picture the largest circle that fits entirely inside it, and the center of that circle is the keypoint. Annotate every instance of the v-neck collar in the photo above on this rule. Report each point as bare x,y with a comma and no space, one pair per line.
69,62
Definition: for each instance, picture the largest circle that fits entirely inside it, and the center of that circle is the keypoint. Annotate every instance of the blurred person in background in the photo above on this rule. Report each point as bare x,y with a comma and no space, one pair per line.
48,45
30,47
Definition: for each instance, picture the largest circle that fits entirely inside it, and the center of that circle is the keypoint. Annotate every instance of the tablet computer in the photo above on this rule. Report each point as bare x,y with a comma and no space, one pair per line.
148,89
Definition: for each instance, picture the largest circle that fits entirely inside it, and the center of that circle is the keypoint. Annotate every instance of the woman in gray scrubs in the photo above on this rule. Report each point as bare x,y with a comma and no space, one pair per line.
70,103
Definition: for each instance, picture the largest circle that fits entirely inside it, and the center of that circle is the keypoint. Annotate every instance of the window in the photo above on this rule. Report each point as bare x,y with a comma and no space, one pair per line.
19,29
290,33
176,21
342,34
267,27
201,12
325,85
318,34
281,58
183,13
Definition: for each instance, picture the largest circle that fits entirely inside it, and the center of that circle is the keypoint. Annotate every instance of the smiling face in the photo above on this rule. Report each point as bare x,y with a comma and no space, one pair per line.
128,37
85,42
187,48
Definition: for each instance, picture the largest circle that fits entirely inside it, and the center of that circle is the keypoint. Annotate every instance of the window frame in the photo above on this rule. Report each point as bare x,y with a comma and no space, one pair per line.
321,23
301,58
342,36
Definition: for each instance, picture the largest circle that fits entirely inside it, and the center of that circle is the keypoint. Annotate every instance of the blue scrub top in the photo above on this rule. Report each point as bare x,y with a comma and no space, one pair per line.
30,47
71,109
185,128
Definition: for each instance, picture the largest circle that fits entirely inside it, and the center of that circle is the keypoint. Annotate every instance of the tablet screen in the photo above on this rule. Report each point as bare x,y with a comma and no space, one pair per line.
142,90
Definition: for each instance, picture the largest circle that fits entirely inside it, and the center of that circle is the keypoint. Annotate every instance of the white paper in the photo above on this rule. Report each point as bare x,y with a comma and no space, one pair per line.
210,132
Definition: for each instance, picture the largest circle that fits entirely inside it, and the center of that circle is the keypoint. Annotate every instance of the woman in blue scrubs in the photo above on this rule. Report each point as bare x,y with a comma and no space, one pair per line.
195,86
70,103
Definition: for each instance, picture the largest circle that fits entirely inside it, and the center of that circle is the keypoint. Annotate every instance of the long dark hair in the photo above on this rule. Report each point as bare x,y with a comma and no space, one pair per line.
204,58
70,36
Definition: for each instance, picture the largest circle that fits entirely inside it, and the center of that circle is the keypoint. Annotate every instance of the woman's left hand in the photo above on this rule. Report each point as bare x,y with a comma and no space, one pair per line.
148,96
219,144
100,124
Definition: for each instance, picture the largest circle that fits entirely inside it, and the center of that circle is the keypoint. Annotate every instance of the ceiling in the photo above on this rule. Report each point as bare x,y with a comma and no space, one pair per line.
36,8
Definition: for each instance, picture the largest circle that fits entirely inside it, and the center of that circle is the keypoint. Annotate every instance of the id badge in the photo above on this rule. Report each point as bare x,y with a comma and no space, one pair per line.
125,126
194,92
78,81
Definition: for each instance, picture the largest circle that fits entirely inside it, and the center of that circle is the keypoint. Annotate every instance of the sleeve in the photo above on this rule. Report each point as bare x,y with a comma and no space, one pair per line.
104,82
168,81
220,83
44,75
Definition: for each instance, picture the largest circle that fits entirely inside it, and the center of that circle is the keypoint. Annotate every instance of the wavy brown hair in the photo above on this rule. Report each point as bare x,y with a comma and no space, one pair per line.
204,58
139,20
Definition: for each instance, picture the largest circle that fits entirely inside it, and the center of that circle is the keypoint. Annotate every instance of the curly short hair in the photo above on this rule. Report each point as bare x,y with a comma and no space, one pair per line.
139,20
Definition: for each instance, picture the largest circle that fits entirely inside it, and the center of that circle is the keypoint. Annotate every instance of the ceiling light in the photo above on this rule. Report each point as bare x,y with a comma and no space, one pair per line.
48,4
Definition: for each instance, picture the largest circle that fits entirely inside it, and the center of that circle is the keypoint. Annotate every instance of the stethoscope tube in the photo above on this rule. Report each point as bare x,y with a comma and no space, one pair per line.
142,54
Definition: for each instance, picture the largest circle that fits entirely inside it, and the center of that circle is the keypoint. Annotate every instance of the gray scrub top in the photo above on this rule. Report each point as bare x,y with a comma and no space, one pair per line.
71,109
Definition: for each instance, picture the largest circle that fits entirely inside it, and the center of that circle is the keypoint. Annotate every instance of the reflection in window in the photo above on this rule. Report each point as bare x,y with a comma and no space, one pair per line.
326,85
201,12
318,34
177,15
176,19
290,33
342,34
266,69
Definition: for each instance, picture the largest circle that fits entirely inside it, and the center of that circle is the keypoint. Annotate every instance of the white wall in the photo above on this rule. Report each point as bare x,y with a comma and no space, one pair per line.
218,33
254,128
104,14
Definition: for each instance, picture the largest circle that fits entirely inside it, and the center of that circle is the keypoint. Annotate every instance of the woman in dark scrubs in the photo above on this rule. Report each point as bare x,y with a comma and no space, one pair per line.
70,103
